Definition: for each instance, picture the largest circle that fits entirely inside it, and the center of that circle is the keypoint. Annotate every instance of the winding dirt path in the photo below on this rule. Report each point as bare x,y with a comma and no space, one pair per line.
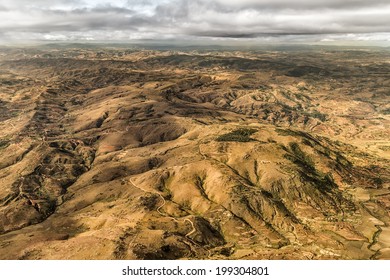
375,241
377,233
162,205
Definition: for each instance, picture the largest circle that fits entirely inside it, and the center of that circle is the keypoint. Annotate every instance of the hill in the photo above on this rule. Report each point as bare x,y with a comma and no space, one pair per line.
147,154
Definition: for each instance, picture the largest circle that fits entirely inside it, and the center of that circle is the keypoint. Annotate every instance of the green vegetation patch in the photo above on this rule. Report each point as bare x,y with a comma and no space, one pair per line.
324,182
4,144
238,135
386,111
300,158
318,115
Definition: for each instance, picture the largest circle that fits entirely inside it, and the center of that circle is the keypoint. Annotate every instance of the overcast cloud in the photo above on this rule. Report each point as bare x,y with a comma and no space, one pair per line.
277,20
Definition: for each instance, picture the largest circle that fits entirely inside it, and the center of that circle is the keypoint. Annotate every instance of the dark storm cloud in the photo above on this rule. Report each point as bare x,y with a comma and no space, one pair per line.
127,19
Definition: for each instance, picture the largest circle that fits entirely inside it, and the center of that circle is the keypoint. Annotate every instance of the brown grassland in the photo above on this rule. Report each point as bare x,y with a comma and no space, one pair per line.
116,153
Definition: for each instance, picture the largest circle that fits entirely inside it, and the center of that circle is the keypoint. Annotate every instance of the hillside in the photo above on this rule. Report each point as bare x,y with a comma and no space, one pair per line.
145,154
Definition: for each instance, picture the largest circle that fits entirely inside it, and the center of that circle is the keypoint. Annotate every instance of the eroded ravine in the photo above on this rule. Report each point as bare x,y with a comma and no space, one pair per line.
56,161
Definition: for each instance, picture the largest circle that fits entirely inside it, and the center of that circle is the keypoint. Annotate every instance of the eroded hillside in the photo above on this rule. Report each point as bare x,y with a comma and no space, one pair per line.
137,154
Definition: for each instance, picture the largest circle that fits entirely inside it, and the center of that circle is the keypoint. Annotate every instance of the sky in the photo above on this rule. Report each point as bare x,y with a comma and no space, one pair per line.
291,21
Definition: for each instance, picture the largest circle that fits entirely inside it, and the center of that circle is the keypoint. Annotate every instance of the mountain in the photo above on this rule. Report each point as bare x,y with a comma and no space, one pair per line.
115,153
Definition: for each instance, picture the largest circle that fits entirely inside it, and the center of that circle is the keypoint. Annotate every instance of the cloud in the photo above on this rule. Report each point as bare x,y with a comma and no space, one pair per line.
300,4
152,19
